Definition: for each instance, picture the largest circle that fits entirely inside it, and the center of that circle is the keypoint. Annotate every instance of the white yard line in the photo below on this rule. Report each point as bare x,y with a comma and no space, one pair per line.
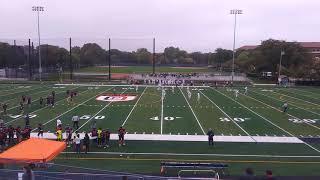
32,101
304,93
15,98
192,112
290,102
227,116
297,99
125,121
73,108
278,109
266,120
98,112
38,109
28,89
161,116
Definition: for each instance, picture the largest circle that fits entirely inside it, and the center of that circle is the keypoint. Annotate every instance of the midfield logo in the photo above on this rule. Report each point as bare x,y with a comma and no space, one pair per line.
115,97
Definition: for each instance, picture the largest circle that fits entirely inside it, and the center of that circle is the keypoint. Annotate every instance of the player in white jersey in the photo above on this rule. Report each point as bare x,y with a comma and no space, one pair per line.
136,88
189,94
245,90
172,89
159,86
198,98
236,93
163,93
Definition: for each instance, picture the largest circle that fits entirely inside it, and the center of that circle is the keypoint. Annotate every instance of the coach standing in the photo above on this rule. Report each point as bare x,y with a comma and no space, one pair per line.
75,120
210,137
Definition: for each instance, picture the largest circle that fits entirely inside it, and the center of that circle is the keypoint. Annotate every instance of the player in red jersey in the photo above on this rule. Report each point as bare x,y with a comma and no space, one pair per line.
68,135
121,133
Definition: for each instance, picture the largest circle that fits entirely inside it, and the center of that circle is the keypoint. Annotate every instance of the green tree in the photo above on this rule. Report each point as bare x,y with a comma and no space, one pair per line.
143,56
92,54
294,56
222,56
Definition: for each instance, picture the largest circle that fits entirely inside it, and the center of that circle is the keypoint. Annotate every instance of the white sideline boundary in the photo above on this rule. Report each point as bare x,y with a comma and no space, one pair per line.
189,154
264,84
122,85
195,138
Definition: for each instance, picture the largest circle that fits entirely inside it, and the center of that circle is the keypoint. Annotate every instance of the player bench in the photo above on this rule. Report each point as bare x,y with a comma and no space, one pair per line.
215,169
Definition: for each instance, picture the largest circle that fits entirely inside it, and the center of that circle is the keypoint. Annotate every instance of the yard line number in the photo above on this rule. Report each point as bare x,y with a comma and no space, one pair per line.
86,117
237,119
294,120
167,118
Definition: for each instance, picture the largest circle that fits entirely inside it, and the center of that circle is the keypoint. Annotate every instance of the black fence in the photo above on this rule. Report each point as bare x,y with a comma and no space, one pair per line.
102,59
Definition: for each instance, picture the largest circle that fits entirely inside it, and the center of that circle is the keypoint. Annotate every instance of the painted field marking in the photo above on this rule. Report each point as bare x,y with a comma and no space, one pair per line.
192,111
297,98
161,118
9,88
191,154
188,160
39,109
31,101
98,112
134,107
277,108
307,92
15,98
21,91
268,121
305,109
303,94
228,116
74,107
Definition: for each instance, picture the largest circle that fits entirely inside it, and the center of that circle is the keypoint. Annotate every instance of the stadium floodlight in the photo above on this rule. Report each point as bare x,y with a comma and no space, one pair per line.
280,64
39,9
235,12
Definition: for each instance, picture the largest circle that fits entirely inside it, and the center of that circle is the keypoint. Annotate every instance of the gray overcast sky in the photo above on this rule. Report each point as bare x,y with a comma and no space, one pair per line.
193,25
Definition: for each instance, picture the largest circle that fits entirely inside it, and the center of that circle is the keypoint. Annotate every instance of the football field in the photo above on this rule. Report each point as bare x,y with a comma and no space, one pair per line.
171,115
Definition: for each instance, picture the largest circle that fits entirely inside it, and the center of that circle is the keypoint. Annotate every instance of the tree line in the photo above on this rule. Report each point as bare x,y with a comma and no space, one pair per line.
296,61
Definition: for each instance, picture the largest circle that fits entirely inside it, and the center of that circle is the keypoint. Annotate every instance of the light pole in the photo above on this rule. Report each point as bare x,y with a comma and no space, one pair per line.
38,9
235,12
279,73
